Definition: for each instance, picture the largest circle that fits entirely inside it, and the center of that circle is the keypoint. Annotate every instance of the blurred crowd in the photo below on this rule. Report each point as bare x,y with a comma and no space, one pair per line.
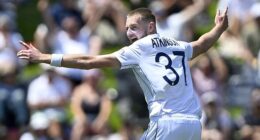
73,104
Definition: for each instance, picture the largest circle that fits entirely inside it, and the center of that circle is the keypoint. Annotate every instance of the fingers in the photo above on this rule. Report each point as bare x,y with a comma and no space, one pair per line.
224,13
24,57
31,46
218,13
226,10
24,44
23,54
27,46
217,16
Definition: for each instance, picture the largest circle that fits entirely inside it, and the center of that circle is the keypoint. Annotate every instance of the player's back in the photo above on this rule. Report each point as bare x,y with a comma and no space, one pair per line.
164,75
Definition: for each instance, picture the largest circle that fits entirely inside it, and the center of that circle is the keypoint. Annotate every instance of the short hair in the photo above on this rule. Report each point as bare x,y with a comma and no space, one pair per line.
146,14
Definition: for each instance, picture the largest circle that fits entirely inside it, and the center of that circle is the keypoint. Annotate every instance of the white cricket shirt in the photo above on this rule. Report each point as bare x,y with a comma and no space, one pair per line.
161,67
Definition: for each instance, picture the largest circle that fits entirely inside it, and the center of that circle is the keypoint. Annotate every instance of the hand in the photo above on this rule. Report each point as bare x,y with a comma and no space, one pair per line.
221,20
30,53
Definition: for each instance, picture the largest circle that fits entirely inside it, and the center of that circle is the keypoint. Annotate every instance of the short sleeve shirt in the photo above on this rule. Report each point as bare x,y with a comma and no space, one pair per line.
161,67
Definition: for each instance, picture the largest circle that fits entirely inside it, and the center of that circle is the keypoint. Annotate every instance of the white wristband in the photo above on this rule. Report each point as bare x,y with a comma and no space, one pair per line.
56,59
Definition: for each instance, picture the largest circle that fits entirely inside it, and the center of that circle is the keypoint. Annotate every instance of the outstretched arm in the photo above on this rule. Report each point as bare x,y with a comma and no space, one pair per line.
80,61
208,39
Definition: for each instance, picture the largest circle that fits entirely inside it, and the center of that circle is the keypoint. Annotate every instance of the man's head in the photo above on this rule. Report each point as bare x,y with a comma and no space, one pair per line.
140,23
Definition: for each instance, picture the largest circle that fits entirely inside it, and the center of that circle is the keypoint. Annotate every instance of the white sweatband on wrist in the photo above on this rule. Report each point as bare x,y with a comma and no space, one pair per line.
56,59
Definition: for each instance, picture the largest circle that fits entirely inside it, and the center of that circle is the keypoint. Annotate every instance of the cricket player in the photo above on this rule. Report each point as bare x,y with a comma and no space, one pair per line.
160,65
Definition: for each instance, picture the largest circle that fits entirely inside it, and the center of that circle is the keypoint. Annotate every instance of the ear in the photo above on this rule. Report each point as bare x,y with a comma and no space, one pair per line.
151,27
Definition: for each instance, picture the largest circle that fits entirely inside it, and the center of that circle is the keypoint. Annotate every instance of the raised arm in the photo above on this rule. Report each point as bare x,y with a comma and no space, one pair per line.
208,39
79,61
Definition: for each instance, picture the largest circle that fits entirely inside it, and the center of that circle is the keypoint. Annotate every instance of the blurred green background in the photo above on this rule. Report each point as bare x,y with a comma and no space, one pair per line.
28,17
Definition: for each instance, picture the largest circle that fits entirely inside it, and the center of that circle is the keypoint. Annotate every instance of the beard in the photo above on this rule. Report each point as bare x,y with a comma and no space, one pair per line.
133,40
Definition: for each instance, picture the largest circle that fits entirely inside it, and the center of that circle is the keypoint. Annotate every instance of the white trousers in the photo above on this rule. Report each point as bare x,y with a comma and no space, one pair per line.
173,128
